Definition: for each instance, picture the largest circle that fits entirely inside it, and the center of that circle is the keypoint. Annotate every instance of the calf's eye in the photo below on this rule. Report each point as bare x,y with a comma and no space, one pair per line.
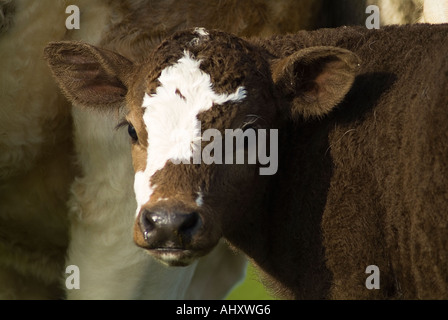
132,133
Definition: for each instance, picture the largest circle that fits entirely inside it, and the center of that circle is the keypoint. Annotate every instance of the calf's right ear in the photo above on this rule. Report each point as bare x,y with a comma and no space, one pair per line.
316,79
89,76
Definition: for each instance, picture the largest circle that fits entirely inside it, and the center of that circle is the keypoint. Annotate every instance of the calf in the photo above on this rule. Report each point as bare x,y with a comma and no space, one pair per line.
362,173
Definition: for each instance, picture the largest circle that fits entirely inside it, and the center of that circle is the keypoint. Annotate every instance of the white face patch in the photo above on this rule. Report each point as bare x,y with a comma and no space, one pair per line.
171,120
142,189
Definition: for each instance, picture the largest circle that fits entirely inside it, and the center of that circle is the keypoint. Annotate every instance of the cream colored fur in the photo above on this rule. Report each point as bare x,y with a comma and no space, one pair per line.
411,11
435,11
26,86
399,11
34,177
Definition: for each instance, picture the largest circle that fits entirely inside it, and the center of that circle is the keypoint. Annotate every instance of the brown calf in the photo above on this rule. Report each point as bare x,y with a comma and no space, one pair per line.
362,169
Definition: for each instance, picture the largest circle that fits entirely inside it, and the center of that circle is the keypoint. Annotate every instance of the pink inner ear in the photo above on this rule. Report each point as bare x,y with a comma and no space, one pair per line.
321,84
82,67
105,91
86,72
311,91
80,58
322,79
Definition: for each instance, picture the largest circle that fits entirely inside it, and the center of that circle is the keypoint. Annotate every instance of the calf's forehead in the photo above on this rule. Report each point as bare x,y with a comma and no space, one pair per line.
230,62
172,96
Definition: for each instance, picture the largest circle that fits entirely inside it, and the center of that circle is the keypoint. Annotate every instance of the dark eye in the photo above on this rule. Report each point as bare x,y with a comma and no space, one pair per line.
132,133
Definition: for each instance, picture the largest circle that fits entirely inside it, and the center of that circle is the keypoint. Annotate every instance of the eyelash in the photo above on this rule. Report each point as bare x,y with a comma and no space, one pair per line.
131,130
122,123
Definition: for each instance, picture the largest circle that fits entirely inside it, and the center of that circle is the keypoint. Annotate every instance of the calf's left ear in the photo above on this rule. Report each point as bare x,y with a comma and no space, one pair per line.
89,76
315,79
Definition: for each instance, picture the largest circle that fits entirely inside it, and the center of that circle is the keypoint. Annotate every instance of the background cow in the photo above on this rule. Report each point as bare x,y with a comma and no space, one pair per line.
362,169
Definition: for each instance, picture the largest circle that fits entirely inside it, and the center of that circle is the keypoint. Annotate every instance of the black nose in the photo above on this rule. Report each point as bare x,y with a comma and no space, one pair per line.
164,229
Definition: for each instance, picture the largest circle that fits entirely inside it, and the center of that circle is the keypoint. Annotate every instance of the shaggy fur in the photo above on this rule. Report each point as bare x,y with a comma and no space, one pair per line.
382,157
363,184
34,178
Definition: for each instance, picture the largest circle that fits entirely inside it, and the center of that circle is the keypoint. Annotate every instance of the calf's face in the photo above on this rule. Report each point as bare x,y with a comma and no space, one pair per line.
189,107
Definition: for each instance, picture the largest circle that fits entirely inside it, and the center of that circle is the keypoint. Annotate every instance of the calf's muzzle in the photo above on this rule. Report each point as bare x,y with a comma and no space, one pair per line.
167,229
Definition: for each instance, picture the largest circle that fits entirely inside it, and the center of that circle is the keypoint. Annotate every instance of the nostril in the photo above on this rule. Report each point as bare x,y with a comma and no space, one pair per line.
147,222
191,221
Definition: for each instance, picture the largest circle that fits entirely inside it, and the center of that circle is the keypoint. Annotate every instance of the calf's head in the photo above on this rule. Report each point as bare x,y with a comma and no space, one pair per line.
188,94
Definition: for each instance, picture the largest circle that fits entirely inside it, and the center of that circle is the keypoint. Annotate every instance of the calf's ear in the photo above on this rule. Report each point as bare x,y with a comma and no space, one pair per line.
89,76
315,79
